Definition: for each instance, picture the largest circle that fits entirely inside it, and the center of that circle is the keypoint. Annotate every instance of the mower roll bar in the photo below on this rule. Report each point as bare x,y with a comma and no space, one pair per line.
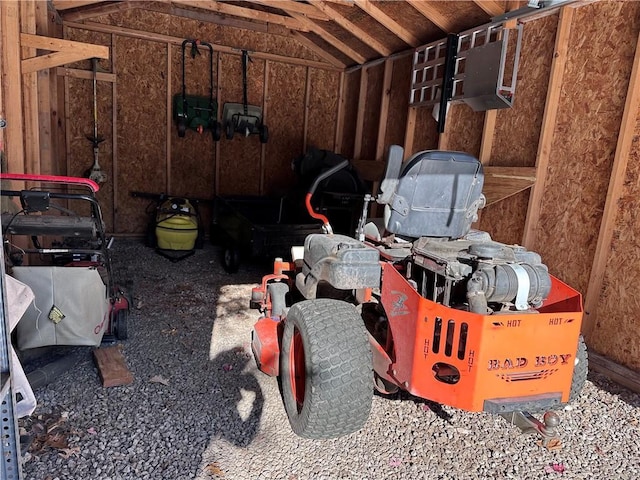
85,182
326,226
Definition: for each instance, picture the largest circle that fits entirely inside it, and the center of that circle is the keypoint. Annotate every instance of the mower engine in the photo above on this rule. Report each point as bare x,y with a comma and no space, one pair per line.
479,275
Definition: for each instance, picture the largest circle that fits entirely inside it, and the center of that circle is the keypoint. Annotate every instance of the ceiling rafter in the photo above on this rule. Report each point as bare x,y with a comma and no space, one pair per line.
95,10
293,6
318,50
347,24
491,7
388,22
428,10
242,12
330,38
67,4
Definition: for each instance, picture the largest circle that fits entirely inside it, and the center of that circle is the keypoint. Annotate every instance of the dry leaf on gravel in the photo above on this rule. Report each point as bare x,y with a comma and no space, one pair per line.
159,379
214,469
69,452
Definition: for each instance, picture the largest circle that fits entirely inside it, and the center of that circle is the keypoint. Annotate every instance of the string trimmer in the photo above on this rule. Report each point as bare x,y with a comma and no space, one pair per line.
95,173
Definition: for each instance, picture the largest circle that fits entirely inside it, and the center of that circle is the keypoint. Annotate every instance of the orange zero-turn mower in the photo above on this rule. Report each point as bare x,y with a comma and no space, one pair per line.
420,303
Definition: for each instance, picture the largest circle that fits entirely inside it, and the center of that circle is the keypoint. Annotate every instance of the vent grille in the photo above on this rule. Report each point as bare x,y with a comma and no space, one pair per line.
449,336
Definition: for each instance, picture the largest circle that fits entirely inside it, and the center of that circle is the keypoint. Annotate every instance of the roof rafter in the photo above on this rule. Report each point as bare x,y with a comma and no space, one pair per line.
388,22
347,24
242,12
67,4
330,38
428,10
491,7
293,6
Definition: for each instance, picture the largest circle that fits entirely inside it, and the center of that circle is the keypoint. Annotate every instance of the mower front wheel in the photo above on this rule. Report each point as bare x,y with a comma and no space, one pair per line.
263,132
229,130
122,318
230,259
325,369
182,127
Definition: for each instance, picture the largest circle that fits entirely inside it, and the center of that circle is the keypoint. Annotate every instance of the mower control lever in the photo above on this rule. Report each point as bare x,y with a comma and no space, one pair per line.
326,226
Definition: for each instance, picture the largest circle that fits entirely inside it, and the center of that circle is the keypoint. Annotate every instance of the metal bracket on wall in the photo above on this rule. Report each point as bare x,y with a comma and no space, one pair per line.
478,67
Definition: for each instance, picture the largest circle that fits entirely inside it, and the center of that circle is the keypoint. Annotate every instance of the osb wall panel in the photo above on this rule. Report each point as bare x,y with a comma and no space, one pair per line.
515,141
165,24
323,108
192,165
372,112
615,331
398,101
285,107
142,128
591,105
426,131
517,131
351,93
240,156
79,123
463,128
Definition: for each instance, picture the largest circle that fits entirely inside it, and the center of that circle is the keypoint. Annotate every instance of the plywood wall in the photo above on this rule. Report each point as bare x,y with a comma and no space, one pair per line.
300,107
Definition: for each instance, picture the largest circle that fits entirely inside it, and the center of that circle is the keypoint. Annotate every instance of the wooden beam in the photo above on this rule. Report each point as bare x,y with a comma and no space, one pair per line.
491,7
548,127
170,126
364,36
243,12
114,131
410,130
305,123
12,85
265,117
361,112
67,4
30,94
98,9
429,11
503,182
619,374
616,189
47,87
321,52
384,108
85,74
216,169
337,146
65,51
488,130
307,10
329,38
156,37
388,22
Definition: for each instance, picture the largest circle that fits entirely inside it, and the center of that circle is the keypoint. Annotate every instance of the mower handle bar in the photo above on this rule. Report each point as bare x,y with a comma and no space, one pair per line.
27,177
318,216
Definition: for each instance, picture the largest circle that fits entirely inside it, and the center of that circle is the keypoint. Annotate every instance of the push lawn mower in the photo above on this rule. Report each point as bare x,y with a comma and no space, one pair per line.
425,305
67,262
241,117
193,112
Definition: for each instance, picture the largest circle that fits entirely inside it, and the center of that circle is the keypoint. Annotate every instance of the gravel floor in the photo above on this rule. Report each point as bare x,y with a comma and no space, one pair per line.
199,408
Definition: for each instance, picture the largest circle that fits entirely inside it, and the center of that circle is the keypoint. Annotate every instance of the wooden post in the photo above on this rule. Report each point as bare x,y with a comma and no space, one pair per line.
488,130
307,92
169,120
410,131
216,180
548,126
615,191
337,145
263,146
362,104
114,132
12,85
46,85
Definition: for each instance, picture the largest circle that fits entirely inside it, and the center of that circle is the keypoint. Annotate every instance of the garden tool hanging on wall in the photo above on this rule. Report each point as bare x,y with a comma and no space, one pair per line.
241,117
95,173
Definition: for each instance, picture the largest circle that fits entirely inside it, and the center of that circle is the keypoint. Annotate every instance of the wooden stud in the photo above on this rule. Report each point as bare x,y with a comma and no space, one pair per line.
410,132
12,85
429,11
384,108
30,94
388,22
44,90
85,74
156,37
263,146
548,126
362,106
169,121
216,180
614,192
488,131
114,133
337,146
307,93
